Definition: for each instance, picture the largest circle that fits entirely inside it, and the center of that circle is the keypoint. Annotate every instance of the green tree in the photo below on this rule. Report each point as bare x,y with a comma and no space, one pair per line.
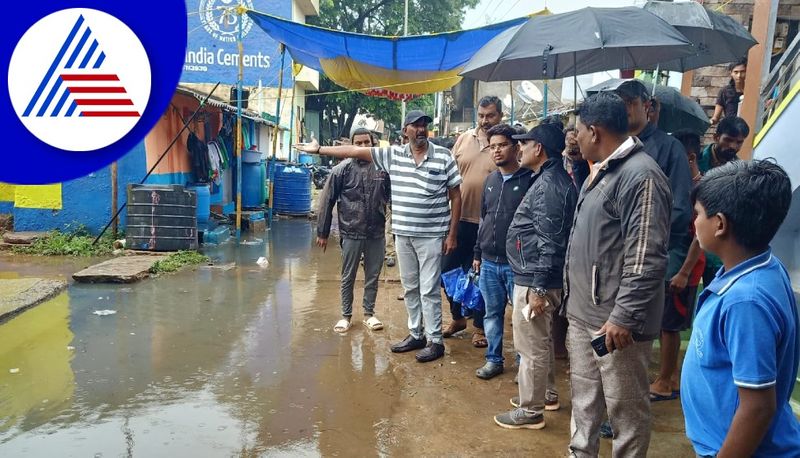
379,17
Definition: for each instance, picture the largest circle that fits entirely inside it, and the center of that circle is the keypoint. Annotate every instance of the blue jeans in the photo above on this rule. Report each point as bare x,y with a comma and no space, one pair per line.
497,288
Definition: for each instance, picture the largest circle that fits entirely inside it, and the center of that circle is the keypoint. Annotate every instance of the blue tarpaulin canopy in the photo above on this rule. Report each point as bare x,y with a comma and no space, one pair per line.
394,67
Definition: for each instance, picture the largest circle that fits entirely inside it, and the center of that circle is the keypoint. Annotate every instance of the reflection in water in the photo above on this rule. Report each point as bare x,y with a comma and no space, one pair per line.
35,342
202,362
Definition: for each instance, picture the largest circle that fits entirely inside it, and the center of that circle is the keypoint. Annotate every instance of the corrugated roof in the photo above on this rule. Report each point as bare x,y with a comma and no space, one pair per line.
218,103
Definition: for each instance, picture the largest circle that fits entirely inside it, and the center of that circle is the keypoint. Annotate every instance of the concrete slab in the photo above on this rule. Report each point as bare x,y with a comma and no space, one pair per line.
125,269
22,238
18,294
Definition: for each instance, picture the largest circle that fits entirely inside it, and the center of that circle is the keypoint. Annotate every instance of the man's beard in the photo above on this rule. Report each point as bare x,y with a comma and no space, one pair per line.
726,155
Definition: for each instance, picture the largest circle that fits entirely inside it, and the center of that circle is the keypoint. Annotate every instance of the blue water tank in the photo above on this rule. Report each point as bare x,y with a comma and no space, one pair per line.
292,190
203,202
252,184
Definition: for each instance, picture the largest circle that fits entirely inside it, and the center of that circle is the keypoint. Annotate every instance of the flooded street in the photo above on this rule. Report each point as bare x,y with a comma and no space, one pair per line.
240,360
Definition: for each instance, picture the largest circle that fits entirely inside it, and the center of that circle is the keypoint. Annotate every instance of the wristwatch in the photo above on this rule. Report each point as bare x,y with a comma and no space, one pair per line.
541,292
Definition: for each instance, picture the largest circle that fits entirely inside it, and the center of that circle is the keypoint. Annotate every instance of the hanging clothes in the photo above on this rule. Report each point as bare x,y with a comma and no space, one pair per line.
198,154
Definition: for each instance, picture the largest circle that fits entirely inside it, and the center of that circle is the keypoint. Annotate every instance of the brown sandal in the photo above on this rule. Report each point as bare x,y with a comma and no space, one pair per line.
479,339
454,327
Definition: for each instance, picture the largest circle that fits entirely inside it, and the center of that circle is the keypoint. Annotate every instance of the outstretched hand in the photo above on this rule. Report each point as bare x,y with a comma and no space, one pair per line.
310,147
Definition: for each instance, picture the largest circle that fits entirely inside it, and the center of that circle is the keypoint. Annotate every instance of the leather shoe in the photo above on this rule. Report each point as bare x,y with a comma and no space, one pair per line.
408,344
489,370
431,352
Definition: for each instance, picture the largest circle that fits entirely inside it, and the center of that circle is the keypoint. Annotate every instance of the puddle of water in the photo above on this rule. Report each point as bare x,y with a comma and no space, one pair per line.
203,362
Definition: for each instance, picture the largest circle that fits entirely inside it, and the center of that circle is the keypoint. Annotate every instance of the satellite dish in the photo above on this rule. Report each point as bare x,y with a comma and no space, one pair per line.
530,91
507,102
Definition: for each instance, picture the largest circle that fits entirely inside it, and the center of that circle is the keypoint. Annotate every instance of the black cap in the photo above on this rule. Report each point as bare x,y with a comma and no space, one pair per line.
415,115
549,135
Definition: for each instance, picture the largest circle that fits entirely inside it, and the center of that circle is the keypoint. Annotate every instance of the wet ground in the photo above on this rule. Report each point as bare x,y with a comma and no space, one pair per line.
244,362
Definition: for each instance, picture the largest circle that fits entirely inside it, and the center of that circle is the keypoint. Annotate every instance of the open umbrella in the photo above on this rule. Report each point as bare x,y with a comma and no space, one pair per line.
717,38
579,42
677,111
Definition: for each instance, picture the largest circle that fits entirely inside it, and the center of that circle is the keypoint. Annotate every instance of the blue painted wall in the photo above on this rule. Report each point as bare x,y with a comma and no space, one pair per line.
86,201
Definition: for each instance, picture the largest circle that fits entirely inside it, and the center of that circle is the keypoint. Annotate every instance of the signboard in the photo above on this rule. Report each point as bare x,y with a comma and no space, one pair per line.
212,52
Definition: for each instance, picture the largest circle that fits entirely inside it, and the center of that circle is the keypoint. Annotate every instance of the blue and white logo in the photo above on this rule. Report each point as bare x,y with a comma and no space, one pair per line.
87,80
94,83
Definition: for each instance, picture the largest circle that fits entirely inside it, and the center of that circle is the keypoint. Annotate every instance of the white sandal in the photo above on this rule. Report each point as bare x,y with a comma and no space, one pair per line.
342,326
373,324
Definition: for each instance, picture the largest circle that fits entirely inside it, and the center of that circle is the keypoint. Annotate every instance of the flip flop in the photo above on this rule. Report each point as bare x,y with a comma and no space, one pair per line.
341,326
373,324
655,397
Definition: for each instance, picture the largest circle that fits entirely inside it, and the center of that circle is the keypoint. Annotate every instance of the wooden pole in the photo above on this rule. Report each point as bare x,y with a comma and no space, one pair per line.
241,10
114,198
275,132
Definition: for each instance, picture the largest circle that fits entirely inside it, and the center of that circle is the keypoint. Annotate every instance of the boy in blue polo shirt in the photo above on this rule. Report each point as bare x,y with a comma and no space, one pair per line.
742,360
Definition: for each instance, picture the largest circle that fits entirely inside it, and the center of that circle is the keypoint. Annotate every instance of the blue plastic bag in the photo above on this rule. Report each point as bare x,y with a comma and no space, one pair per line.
451,281
472,299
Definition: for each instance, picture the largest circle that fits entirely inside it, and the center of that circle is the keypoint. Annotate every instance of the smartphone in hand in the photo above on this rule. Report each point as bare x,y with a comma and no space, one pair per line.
599,345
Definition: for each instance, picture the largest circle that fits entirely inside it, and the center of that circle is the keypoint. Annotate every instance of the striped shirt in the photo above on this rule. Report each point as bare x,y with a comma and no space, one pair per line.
420,206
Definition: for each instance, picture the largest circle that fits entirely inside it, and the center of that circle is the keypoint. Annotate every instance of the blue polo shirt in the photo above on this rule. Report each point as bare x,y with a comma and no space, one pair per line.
745,335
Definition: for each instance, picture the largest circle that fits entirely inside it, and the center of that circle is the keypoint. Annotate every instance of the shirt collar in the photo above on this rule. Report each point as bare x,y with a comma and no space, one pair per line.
647,132
724,280
624,148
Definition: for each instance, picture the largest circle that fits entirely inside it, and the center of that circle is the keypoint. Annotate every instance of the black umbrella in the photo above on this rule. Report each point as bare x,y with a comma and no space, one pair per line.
579,42
677,111
717,38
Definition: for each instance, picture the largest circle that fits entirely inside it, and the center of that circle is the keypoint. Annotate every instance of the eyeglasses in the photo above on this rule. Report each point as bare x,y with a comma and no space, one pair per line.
499,145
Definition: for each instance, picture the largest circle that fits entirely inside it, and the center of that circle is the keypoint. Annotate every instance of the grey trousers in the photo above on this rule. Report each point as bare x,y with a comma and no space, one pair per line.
615,383
533,342
420,261
352,249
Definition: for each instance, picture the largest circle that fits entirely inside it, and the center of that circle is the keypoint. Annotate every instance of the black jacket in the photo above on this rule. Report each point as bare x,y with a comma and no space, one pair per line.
617,254
499,201
670,155
360,193
537,239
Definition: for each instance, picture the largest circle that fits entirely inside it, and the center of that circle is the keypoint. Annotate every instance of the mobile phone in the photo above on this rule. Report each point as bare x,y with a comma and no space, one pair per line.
599,345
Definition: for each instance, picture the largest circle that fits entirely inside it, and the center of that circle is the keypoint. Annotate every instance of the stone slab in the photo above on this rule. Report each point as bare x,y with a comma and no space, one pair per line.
19,294
22,238
125,269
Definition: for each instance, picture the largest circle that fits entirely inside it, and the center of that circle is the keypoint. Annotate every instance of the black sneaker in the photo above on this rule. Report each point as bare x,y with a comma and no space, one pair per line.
489,370
408,344
552,404
517,419
431,352
549,404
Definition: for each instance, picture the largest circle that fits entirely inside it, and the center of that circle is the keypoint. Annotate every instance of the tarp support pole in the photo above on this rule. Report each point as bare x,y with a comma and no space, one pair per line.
511,92
240,11
276,131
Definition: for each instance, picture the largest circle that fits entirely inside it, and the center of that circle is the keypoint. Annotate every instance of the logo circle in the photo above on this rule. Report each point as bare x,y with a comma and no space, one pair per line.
220,20
79,79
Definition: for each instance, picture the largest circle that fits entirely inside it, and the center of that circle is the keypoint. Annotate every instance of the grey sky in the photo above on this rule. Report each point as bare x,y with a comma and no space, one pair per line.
493,11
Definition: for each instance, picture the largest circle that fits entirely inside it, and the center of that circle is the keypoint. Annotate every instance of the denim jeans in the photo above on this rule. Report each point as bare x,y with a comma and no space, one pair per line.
497,288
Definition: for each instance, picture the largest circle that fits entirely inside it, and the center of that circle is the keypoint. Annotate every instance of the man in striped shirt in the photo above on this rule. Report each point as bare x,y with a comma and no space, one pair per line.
423,178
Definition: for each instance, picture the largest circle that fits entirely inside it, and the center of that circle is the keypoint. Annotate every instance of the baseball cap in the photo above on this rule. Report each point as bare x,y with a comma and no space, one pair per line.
415,115
549,135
